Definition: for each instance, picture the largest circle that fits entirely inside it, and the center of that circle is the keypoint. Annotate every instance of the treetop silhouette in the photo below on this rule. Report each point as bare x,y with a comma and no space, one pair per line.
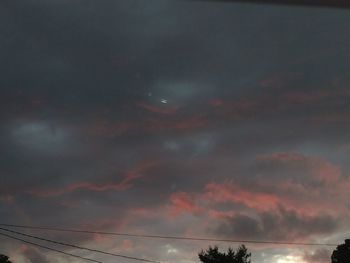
342,253
4,259
213,255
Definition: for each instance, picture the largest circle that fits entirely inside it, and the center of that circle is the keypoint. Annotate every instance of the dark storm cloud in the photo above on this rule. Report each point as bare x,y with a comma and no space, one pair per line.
88,47
276,225
211,93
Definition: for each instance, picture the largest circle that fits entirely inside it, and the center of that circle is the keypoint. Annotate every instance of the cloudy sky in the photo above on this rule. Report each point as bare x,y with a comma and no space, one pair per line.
178,118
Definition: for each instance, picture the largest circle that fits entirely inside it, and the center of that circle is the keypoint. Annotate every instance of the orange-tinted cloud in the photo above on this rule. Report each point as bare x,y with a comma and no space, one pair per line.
216,102
319,168
127,245
131,175
181,203
274,102
228,192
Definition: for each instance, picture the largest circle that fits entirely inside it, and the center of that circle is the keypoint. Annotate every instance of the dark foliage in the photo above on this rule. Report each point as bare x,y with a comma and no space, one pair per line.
213,255
342,253
4,259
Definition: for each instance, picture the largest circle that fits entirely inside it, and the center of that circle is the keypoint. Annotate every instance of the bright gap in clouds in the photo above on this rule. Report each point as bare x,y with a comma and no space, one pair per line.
289,259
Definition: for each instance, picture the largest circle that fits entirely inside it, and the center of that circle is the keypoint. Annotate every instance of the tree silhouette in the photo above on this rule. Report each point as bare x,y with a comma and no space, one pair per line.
342,253
4,259
213,255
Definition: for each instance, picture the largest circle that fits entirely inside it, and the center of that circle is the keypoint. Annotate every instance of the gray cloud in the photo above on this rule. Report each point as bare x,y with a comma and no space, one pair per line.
280,225
34,256
89,90
318,256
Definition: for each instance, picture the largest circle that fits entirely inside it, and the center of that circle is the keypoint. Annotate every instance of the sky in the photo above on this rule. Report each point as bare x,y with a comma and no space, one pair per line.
181,118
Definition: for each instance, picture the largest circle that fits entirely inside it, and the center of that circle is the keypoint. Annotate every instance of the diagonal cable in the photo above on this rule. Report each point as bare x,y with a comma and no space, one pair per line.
170,237
79,247
49,248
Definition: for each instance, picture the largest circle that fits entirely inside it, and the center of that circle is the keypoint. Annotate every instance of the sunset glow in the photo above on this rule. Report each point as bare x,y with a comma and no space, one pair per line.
154,129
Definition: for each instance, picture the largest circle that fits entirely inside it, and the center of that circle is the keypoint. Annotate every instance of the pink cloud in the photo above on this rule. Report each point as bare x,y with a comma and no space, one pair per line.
131,175
80,186
181,203
229,192
273,102
216,102
100,239
127,245
220,214
282,157
318,168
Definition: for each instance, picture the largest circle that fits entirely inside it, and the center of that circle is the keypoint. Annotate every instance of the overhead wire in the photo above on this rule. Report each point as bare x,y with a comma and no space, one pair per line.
334,3
79,247
49,248
170,237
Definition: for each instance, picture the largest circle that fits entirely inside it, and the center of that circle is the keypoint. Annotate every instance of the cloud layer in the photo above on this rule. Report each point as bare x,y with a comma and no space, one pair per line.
179,118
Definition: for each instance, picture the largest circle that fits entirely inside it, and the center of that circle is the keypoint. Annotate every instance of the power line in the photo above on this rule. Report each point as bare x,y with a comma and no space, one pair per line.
49,248
169,237
79,247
